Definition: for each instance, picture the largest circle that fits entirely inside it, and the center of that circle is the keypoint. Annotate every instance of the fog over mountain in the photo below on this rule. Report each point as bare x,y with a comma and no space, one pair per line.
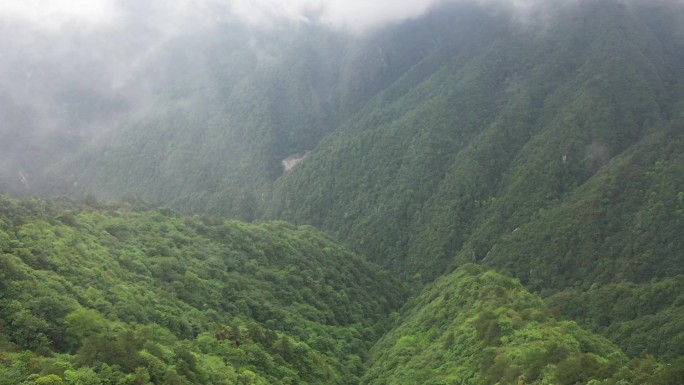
505,179
71,69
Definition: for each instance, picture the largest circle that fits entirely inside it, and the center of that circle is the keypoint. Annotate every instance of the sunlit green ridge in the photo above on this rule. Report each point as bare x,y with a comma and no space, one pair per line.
122,295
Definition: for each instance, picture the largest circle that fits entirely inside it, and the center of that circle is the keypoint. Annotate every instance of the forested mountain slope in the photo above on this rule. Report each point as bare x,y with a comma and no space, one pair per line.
208,142
215,143
623,225
474,151
547,148
555,156
101,294
119,294
479,327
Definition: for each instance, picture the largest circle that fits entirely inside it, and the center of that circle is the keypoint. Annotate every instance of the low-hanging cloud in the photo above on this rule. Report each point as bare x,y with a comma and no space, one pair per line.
351,15
172,16
179,16
55,13
71,68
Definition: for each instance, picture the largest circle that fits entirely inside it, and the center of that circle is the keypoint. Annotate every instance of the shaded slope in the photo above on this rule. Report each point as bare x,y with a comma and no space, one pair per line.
623,224
621,229
214,143
495,134
641,318
207,143
554,155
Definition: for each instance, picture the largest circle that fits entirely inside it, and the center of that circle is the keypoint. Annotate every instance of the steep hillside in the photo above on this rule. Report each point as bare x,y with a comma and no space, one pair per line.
215,143
554,154
548,147
478,327
123,295
514,125
623,225
209,143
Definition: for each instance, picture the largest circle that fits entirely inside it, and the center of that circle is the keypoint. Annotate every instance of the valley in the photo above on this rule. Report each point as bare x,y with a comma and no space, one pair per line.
478,194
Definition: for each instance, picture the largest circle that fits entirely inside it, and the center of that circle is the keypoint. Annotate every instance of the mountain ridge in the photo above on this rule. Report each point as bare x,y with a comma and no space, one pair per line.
542,160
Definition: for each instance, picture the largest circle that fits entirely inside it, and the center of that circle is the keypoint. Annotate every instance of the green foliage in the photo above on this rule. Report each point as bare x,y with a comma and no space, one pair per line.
463,156
119,295
608,253
83,323
446,336
554,156
640,318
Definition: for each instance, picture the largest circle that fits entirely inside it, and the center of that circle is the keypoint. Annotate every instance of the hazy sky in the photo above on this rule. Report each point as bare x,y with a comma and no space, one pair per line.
351,15
54,13
354,15
111,44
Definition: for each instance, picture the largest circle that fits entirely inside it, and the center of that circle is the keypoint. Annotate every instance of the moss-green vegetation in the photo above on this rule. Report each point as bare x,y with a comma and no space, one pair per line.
510,123
119,295
101,294
549,150
555,156
621,229
479,327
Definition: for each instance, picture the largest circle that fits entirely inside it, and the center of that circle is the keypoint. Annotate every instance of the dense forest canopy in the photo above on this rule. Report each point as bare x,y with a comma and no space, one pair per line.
427,192
119,294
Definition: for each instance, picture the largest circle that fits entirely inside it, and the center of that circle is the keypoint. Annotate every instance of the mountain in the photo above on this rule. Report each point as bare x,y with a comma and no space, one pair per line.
123,294
96,293
445,165
479,327
613,243
537,157
214,143
553,155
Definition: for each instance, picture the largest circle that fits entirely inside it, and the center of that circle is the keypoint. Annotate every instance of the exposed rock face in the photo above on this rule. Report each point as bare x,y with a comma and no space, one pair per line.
291,161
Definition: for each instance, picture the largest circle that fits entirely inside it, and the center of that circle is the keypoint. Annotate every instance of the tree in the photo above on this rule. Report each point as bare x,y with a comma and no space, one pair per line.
81,324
